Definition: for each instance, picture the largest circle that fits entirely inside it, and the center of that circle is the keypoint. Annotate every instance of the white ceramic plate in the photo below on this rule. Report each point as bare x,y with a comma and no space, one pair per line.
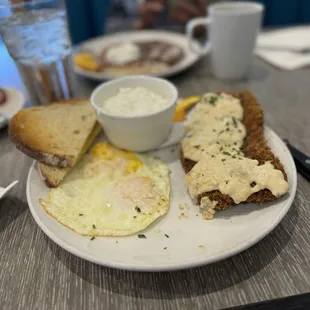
192,241
15,101
98,44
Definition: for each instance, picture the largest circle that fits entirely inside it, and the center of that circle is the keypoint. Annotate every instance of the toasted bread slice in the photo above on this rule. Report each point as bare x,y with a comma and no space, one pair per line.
53,134
53,176
254,147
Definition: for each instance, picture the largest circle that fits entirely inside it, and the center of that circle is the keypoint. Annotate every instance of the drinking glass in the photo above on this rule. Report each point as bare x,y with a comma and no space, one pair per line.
36,36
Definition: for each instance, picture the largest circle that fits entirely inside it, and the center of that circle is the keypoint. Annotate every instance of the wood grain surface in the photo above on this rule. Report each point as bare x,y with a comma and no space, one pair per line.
35,273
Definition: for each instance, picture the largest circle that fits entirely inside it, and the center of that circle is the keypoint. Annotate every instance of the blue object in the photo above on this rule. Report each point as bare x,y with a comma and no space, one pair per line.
86,18
305,12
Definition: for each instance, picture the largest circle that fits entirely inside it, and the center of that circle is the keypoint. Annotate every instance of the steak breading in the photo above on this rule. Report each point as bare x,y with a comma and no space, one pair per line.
254,147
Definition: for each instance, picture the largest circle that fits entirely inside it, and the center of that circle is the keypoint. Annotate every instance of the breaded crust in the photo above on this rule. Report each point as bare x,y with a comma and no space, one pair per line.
254,147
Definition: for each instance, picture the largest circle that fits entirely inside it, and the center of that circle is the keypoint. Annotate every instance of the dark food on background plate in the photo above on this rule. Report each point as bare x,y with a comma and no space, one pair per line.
152,51
2,96
133,58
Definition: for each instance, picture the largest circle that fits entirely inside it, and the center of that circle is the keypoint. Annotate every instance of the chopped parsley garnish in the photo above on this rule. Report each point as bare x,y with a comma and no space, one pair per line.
226,181
233,156
137,209
227,129
221,131
217,142
227,124
135,217
92,238
142,236
197,146
239,130
226,153
212,100
235,143
167,236
235,122
81,214
165,248
221,148
223,159
212,156
213,130
94,226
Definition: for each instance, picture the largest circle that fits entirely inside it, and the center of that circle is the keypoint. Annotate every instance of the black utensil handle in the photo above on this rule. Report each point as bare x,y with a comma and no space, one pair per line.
302,161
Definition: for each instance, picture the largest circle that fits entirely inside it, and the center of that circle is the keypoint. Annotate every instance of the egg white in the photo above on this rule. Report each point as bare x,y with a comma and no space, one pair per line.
106,197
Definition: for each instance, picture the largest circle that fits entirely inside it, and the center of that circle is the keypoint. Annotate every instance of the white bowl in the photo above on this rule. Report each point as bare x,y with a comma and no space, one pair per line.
136,133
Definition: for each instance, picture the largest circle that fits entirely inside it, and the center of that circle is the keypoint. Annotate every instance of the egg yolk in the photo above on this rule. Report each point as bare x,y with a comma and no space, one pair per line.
108,152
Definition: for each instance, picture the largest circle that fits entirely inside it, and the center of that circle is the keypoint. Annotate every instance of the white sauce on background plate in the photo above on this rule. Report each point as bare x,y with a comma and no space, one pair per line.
134,101
123,53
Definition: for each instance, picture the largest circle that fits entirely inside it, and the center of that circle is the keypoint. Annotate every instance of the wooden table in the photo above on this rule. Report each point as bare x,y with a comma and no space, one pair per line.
35,273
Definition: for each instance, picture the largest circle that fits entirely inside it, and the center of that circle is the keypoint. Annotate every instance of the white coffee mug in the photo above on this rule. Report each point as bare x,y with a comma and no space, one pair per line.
232,28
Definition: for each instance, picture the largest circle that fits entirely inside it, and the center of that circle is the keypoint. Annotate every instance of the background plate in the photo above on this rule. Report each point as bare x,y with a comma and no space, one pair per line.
192,241
15,101
98,44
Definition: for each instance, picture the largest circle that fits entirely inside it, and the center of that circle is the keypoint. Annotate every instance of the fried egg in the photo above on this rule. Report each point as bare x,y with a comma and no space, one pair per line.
111,192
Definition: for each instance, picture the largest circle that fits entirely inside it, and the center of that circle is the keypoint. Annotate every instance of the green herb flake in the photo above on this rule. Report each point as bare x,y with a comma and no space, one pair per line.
135,217
235,143
167,236
165,248
233,156
141,236
212,156
223,159
81,214
137,209
212,100
227,129
235,121
197,146
94,226
226,153
213,130
92,238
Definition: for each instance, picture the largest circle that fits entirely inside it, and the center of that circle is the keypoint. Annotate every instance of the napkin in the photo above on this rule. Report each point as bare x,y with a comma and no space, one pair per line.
287,49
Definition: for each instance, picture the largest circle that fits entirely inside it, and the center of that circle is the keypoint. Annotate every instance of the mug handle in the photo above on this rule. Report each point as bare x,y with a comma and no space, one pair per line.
190,27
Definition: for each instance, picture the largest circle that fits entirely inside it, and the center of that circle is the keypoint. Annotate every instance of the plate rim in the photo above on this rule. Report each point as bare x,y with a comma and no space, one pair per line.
22,105
172,267
101,76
